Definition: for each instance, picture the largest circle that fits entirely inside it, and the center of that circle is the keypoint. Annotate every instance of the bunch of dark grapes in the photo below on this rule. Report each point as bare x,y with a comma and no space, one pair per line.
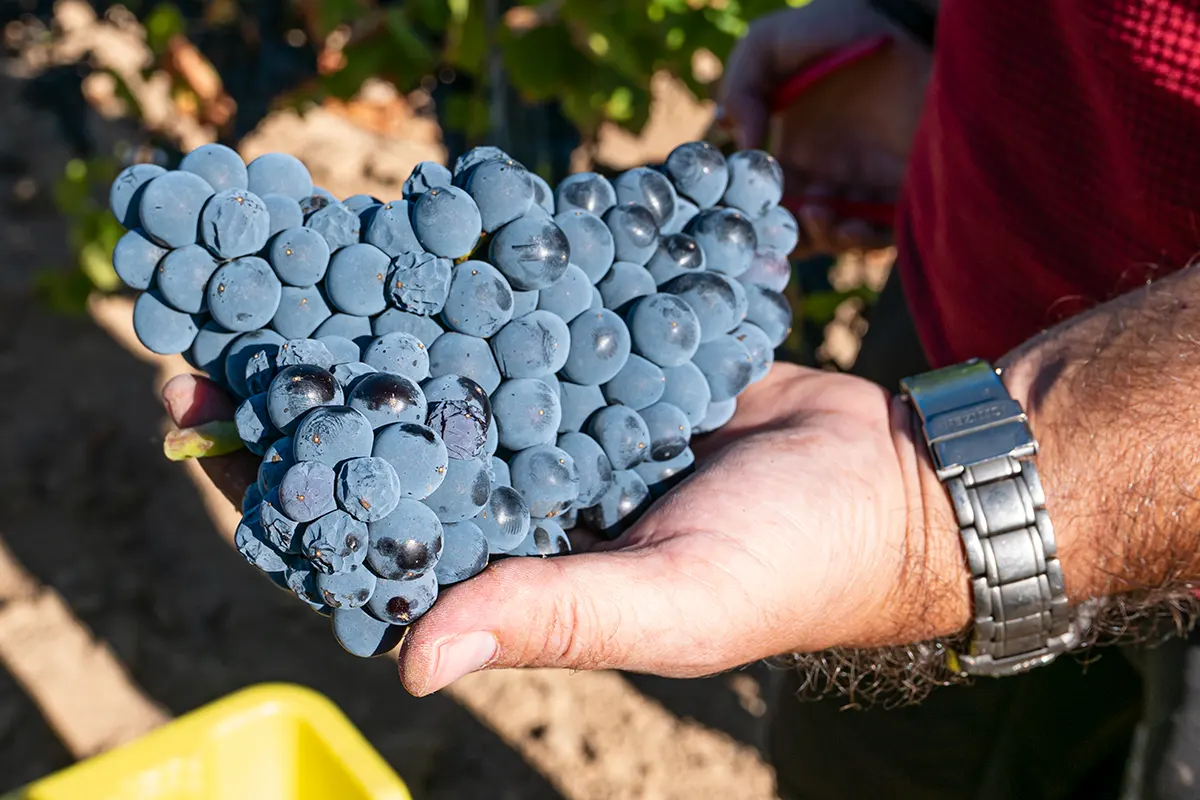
463,373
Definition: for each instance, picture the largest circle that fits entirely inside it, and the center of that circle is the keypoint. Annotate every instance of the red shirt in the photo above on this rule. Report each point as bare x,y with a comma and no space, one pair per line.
1057,165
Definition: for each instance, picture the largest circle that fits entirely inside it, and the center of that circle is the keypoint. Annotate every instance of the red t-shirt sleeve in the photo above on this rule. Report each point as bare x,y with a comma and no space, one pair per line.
1057,165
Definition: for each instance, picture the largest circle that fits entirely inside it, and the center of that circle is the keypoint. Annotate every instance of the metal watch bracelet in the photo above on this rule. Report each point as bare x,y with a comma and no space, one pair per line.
982,448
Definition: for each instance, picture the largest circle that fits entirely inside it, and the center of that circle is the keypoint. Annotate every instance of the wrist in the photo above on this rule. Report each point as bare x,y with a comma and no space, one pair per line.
932,597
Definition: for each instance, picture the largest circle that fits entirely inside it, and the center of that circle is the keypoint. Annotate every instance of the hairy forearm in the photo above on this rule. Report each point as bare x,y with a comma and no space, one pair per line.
1113,397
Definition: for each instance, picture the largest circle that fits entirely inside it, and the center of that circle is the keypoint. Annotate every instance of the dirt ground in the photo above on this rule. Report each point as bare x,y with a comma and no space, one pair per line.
123,604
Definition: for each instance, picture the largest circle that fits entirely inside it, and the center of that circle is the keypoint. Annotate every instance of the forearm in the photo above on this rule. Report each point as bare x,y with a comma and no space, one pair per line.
1114,398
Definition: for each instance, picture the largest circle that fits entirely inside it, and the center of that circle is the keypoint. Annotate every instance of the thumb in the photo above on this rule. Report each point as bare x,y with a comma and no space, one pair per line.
621,609
750,74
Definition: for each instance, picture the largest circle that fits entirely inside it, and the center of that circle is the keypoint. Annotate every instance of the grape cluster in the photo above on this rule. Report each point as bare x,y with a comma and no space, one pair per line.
463,373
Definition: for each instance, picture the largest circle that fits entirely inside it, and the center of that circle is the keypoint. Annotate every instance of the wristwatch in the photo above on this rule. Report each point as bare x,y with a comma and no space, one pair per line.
982,448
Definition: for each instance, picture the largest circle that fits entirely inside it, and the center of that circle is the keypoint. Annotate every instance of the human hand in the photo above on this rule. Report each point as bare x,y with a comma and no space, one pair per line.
848,137
812,522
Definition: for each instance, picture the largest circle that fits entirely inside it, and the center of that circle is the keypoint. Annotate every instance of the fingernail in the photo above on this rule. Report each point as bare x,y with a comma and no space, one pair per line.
461,656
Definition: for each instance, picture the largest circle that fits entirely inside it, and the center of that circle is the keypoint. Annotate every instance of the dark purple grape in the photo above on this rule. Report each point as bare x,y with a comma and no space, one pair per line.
595,470
362,635
531,251
719,413
244,348
639,384
479,301
685,212
669,429
284,212
464,492
578,403
543,195
699,172
135,259
569,296
625,501
384,398
592,247
356,280
334,542
777,231
405,543
547,479
727,365
503,191
419,283
340,226
403,602
687,389
279,173
504,522
526,412
460,413
770,312
635,233
768,269
649,188
469,356
536,344
447,222
600,346
306,491
332,435
296,390
464,554
476,156
394,320
662,476
545,540
299,256
755,182
664,329
125,194
713,299
390,229
399,354
623,435
623,284
416,453
425,176
301,311
677,254
727,237
587,191
762,351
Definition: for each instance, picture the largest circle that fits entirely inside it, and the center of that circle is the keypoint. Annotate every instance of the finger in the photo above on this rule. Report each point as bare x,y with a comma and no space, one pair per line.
857,234
746,85
591,611
817,222
194,400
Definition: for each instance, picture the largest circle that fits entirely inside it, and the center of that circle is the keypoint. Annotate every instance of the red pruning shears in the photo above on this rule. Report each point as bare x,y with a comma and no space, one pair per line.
794,87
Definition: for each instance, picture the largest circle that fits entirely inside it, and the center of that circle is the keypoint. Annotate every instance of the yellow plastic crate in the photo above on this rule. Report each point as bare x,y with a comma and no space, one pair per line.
267,742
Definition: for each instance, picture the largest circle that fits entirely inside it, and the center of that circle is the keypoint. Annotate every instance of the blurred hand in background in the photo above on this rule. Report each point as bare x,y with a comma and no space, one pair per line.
848,137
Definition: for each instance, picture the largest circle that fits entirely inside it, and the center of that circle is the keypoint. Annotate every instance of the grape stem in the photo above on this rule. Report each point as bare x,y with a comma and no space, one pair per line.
216,438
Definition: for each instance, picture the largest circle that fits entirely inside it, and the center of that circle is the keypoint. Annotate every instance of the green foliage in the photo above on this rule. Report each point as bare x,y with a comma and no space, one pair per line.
94,235
595,57
163,22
